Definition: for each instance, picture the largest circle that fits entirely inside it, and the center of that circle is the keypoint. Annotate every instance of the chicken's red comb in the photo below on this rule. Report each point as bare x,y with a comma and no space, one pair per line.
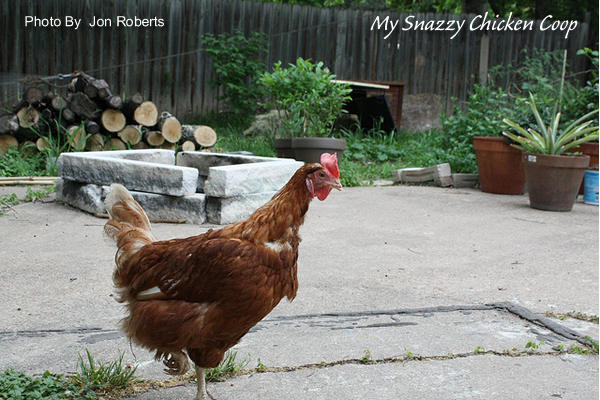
329,161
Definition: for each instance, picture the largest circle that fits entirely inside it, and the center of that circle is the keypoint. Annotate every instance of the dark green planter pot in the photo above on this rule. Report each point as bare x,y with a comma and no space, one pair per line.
283,148
309,149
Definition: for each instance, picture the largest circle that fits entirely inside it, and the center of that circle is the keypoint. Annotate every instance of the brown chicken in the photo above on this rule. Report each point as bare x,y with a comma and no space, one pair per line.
198,296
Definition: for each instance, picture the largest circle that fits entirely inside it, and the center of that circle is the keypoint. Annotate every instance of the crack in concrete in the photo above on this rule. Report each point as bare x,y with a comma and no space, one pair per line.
509,307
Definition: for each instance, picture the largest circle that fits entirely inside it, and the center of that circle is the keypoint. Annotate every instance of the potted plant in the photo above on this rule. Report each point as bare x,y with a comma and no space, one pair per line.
305,93
553,174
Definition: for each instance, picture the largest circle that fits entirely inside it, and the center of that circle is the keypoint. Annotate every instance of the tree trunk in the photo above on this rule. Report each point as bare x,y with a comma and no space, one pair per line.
113,120
188,145
6,141
81,105
33,95
170,127
92,127
95,142
146,114
28,117
153,138
131,134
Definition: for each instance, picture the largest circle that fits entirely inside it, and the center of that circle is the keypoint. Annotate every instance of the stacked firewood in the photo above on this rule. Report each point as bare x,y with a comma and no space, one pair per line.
91,117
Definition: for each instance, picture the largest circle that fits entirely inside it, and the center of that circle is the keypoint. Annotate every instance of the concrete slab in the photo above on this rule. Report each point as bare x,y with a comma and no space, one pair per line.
242,179
227,210
141,176
90,198
363,250
203,161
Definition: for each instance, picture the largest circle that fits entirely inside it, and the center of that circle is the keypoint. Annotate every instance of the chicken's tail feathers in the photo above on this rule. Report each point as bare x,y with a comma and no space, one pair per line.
125,215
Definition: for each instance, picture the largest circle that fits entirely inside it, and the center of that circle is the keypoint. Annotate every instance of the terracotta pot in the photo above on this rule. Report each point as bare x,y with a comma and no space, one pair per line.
283,148
553,181
309,149
589,149
500,166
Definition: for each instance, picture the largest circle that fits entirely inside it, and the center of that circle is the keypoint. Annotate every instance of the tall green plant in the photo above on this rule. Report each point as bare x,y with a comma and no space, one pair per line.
237,64
549,139
306,94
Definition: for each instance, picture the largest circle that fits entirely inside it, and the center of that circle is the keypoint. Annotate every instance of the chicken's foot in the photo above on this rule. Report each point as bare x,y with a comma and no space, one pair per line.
177,362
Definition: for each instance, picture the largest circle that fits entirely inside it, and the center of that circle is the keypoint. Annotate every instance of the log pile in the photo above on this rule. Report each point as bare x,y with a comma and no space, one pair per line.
90,116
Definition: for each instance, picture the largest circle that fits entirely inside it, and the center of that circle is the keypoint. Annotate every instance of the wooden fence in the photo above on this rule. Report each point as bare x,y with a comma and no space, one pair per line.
167,64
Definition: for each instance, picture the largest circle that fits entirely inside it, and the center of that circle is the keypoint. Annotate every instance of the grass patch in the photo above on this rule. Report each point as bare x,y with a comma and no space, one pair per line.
103,377
16,385
228,367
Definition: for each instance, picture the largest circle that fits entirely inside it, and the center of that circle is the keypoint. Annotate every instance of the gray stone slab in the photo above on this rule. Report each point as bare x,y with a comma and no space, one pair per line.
135,175
202,161
440,174
158,156
236,180
85,196
227,210
465,180
90,198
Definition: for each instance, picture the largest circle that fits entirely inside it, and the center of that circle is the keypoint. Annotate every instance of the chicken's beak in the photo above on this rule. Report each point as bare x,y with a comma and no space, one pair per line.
337,185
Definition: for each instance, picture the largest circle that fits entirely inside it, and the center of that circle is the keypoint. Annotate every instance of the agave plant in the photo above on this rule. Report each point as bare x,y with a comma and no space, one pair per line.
550,139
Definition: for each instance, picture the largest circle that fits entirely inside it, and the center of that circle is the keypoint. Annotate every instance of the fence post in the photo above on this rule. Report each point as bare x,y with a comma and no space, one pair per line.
484,55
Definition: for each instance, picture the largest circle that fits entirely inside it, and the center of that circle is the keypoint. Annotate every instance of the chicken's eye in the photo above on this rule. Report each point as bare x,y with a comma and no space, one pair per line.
321,175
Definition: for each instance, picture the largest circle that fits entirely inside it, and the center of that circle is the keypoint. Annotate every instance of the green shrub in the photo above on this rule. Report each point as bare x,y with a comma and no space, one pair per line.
16,162
237,65
305,92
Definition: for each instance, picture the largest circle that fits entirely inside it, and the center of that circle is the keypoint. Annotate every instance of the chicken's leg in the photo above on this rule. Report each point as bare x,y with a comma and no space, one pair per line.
201,395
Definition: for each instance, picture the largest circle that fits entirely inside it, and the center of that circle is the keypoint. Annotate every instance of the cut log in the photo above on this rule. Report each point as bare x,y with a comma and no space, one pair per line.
114,102
154,138
6,141
28,117
81,105
46,115
188,145
41,144
131,103
24,134
170,127
33,95
58,103
95,142
131,134
113,120
92,127
115,144
68,115
205,136
9,123
94,86
76,137
48,97
146,114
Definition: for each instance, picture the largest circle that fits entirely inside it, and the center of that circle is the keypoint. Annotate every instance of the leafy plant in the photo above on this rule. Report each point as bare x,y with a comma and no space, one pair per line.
7,201
17,162
101,376
237,66
16,385
549,139
228,367
35,195
366,358
479,350
260,367
305,91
